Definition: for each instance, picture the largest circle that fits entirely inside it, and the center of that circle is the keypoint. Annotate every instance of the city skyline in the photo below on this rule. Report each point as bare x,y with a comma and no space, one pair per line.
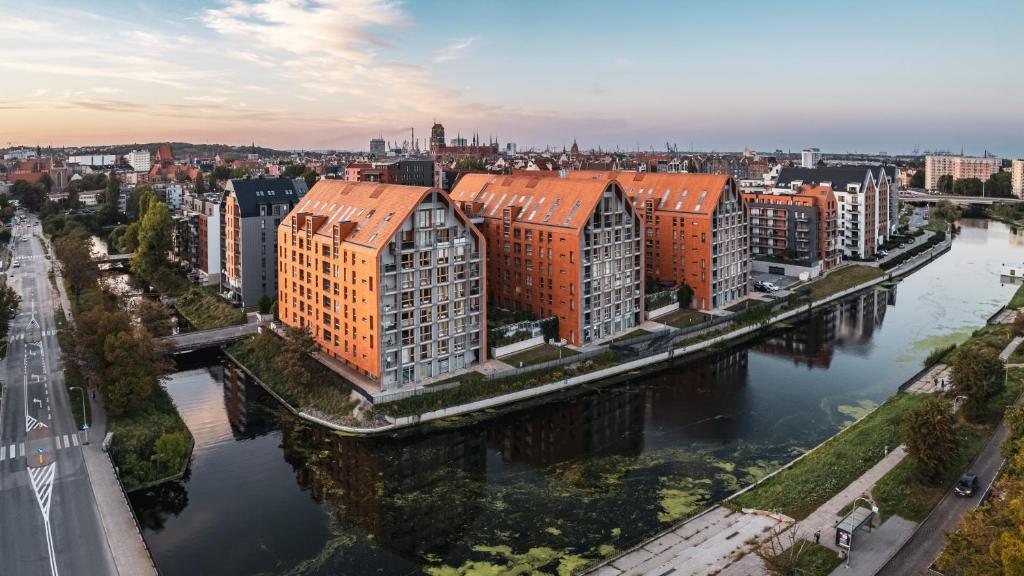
293,74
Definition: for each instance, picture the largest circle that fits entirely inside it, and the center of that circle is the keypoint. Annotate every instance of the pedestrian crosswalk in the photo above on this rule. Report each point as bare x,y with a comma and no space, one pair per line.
17,449
21,335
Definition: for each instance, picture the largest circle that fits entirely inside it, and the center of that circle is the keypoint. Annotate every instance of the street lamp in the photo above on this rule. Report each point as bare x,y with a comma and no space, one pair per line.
85,416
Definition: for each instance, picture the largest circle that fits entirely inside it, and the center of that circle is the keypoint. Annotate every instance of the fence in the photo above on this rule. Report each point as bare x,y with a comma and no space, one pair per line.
385,397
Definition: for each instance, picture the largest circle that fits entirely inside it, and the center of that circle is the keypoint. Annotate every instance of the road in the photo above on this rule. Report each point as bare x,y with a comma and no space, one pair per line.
927,543
199,339
49,522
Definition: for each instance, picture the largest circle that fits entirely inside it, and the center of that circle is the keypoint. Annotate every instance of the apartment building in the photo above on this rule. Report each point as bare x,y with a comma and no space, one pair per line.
387,278
140,160
799,229
564,247
959,167
1017,178
810,157
252,209
197,235
862,198
892,176
695,232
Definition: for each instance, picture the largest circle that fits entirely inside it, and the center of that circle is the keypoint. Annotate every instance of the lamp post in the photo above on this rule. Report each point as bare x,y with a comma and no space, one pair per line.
85,417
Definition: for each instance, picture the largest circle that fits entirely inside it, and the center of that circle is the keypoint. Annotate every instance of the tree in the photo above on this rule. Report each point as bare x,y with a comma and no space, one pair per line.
79,269
221,173
550,329
31,196
684,295
264,304
154,240
138,201
47,182
967,187
310,176
978,375
170,451
782,551
128,239
294,170
9,302
1018,324
944,184
200,184
999,185
133,370
691,166
112,193
917,179
293,359
928,433
154,317
239,173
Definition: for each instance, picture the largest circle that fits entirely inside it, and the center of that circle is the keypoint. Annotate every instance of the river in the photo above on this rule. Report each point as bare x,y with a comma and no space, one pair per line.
559,482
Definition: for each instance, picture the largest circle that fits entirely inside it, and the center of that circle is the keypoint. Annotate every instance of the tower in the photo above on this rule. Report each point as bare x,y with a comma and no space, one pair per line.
436,137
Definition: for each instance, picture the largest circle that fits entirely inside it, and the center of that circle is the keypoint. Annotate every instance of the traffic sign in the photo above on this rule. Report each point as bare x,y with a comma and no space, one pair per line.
85,426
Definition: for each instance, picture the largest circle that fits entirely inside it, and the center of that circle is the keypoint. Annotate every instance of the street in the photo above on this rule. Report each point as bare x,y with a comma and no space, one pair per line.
49,523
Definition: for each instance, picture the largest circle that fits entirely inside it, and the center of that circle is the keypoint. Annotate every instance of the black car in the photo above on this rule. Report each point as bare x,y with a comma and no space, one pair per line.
967,485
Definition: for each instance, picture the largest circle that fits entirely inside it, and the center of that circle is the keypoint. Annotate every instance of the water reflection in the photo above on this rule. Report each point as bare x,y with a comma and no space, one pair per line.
565,480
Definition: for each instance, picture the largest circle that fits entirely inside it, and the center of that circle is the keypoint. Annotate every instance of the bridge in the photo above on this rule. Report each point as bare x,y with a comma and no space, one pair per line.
924,198
199,340
112,258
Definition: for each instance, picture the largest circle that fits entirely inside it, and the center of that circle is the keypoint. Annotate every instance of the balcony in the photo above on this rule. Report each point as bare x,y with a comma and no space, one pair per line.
408,245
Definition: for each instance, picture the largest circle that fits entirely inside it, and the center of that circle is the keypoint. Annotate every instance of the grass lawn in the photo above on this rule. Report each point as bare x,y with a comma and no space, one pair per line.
817,561
802,488
632,334
683,318
536,355
842,279
206,310
1018,299
900,492
137,439
474,387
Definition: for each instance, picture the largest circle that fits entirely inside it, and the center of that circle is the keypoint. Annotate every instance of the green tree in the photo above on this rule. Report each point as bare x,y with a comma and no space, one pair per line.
112,192
978,375
200,184
967,187
294,170
79,269
31,196
944,184
154,316
239,173
928,433
310,176
9,302
293,359
264,304
129,378
47,182
138,201
170,451
999,185
684,295
917,179
154,240
221,173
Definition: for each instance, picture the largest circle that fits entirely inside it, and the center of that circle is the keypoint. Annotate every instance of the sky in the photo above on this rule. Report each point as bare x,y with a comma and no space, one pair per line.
865,76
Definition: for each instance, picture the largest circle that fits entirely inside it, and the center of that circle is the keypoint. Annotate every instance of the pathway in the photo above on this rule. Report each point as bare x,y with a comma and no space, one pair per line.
938,379
1005,354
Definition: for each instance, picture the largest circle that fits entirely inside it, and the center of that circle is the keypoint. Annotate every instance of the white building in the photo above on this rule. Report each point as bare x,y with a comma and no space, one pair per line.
959,167
20,154
97,160
810,157
863,202
1017,178
140,160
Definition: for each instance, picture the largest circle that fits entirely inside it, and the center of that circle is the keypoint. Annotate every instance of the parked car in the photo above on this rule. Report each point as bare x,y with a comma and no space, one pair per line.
769,287
883,253
967,485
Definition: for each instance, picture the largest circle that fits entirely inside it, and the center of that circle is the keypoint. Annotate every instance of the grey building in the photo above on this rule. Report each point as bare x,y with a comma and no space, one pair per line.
251,210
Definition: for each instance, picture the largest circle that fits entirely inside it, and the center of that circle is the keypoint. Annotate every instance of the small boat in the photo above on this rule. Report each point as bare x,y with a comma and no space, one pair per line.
1012,272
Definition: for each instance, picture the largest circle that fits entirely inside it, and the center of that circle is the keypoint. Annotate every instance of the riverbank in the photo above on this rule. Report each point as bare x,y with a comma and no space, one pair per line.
602,373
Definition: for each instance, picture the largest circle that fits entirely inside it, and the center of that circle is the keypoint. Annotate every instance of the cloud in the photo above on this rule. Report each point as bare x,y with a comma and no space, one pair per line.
208,98
452,51
39,92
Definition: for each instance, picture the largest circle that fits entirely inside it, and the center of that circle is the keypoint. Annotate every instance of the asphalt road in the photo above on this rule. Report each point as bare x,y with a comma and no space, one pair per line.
928,542
49,524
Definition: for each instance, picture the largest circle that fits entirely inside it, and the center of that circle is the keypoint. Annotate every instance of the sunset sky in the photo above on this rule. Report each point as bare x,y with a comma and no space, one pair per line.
852,76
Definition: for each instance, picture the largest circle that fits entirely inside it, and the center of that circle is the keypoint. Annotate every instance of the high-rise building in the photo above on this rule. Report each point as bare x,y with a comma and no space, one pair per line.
1017,178
387,278
562,247
139,160
810,157
959,168
252,209
863,201
377,147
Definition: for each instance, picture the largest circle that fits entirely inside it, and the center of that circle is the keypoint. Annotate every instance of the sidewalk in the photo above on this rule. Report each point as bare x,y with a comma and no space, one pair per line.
131,556
1008,351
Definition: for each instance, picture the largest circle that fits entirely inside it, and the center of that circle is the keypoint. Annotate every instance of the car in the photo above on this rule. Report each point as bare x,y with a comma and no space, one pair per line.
967,485
770,287
760,286
17,263
883,253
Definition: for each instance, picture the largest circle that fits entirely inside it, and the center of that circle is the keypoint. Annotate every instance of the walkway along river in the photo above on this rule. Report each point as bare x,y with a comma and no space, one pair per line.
557,482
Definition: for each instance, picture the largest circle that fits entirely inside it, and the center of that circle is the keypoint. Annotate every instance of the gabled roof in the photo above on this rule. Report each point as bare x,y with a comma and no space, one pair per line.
376,210
252,193
546,201
838,176
674,192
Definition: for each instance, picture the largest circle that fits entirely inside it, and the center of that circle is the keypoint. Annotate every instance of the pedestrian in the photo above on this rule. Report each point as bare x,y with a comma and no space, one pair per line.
817,537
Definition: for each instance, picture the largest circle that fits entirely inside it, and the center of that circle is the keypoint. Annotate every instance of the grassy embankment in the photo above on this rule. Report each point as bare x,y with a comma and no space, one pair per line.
205,310
329,398
538,354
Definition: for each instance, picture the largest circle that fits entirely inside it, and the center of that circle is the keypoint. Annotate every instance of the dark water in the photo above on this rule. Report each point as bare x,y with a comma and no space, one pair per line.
560,482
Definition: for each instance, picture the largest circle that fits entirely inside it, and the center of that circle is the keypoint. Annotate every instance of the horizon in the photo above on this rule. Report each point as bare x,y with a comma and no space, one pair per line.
333,74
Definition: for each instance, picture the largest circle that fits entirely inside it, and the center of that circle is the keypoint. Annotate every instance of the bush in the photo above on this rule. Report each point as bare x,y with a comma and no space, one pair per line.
937,354
205,310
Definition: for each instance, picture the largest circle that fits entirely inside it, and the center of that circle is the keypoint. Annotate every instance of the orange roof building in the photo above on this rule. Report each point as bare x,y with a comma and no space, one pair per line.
560,247
387,278
695,231
799,228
